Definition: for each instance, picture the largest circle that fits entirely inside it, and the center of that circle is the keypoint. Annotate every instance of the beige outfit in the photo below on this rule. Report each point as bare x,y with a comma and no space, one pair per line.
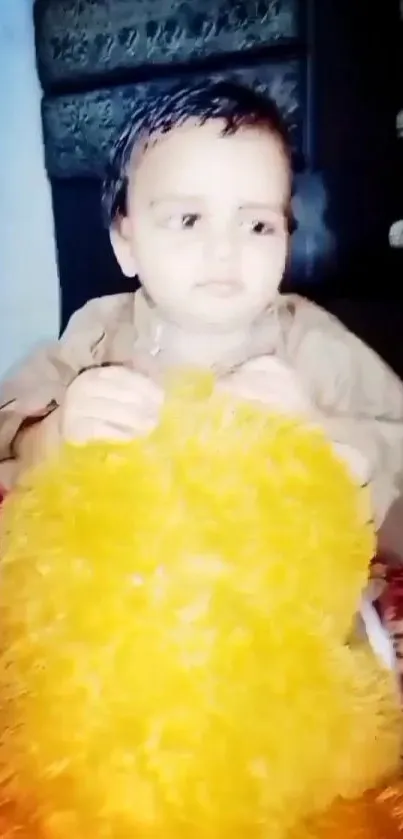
359,397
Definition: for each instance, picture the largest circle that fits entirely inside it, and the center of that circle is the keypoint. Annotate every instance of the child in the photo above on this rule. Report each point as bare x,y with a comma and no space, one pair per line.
197,199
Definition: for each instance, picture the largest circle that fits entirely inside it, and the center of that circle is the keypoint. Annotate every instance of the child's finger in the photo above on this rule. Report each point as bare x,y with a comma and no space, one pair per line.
357,463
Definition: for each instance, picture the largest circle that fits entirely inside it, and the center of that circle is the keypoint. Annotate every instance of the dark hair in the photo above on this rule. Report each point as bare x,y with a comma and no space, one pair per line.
235,104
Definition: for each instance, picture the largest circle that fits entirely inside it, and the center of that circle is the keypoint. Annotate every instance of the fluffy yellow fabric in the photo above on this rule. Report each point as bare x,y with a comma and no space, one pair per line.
173,624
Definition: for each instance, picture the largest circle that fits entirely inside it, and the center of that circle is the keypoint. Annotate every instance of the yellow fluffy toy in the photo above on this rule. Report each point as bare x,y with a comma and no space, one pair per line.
173,629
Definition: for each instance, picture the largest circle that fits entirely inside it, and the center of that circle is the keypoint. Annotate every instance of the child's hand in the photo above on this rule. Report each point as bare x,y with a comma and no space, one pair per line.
355,461
110,403
273,383
270,382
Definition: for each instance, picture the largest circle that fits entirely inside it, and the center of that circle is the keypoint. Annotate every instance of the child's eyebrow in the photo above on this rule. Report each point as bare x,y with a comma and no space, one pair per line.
174,199
252,206
257,205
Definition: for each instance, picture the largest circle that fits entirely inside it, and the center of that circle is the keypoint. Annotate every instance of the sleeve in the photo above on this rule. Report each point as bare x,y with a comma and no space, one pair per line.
359,398
38,387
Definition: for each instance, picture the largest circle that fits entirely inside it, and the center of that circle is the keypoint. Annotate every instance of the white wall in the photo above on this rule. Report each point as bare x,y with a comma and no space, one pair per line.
29,288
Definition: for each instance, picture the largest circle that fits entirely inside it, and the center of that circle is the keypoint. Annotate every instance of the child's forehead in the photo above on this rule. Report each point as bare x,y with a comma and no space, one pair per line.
199,136
198,152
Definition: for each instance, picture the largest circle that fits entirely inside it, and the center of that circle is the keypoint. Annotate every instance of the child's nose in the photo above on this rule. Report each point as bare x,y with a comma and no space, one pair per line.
221,248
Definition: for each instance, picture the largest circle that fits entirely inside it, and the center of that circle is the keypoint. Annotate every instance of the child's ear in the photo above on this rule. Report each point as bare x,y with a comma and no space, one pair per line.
121,241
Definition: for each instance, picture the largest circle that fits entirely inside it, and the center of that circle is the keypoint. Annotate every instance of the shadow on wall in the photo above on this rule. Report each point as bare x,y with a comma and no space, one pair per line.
29,286
313,245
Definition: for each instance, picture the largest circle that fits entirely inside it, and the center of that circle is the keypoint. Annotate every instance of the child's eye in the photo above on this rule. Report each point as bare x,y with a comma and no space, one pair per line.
261,228
183,221
189,220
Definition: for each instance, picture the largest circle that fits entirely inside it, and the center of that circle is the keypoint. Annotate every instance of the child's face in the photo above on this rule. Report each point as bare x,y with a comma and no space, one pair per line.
206,227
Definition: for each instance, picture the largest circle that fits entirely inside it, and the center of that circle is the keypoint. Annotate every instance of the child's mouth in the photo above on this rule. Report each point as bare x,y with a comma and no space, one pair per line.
222,288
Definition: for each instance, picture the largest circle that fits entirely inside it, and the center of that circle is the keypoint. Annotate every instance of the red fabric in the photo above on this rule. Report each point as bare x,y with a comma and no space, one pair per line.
389,603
